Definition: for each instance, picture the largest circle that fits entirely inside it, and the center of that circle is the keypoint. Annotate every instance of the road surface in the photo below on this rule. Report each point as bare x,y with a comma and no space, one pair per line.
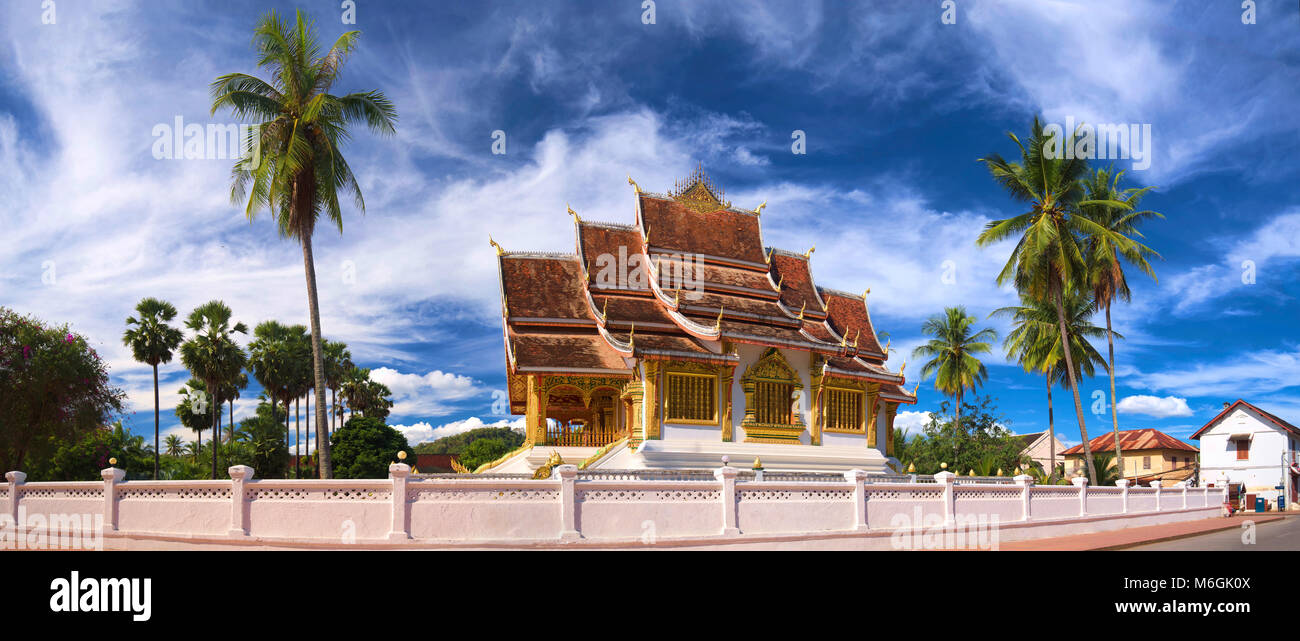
1283,534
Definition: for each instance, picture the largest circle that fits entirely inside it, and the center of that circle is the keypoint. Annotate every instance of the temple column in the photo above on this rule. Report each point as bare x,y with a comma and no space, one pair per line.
890,410
872,402
651,400
634,393
535,411
817,407
726,380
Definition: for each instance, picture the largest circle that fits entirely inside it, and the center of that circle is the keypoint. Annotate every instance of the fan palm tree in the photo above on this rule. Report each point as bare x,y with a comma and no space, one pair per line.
299,169
1103,257
230,393
175,446
152,341
952,354
212,354
1047,261
1034,342
190,416
338,361
355,389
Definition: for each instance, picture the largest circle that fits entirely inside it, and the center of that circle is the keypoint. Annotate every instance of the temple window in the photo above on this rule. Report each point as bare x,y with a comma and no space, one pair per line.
691,398
844,410
772,402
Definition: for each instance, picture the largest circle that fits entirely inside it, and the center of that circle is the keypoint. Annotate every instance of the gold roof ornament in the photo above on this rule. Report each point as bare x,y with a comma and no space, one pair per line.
900,370
911,468
887,344
780,281
698,193
604,310
802,308
717,327
494,243
971,473
758,465
808,254
864,294
576,219
916,389
999,471
635,187
631,338
759,209
770,251
677,298
856,335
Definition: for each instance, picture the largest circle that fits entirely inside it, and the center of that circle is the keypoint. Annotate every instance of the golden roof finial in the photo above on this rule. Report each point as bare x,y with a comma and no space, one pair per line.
887,344
770,251
844,341
631,337
855,338
759,209
900,370
779,281
916,389
576,219
808,254
677,298
999,471
604,315
647,234
802,308
717,327
493,243
635,187
864,294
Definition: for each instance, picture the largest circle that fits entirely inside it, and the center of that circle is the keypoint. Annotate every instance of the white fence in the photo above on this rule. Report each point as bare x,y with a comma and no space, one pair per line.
473,511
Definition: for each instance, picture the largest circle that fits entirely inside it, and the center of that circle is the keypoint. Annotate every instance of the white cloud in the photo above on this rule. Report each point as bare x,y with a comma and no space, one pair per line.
1252,261
1154,406
912,422
423,432
1238,375
428,394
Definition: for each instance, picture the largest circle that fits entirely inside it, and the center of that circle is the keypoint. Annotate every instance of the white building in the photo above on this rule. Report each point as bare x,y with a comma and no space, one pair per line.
1247,445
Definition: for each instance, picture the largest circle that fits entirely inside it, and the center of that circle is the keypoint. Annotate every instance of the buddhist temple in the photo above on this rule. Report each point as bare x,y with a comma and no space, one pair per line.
680,338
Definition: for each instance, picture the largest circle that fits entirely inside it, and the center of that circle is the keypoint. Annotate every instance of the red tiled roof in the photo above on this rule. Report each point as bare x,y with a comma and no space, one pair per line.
850,319
540,349
1144,439
797,288
1239,403
722,234
543,287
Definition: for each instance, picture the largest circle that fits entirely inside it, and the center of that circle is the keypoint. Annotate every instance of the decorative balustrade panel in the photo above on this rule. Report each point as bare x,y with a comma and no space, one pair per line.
781,507
1054,502
648,510
904,505
1171,499
198,507
484,510
328,510
1003,502
1105,500
1141,499
62,498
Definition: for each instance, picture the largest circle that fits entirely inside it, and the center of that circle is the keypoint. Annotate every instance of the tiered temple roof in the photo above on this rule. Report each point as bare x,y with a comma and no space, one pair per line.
706,281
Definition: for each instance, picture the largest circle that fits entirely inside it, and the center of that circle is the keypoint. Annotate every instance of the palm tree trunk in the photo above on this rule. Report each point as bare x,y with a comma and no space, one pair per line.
216,427
286,435
958,416
317,357
1114,412
297,438
1051,429
155,421
231,438
1074,385
334,410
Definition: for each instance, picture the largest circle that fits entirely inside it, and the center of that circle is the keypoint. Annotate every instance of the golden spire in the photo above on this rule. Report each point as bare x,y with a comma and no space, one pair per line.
717,327
576,219
759,210
916,389
808,254
887,344
900,370
801,308
494,244
635,187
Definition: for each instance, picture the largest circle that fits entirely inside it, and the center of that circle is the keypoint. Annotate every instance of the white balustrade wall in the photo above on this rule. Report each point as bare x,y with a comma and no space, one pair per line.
496,512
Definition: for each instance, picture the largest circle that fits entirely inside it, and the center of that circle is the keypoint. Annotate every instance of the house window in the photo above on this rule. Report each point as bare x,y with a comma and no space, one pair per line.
1146,462
844,410
692,398
1243,450
772,403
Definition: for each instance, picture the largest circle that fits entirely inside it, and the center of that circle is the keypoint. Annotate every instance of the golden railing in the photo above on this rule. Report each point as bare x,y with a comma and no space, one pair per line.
581,436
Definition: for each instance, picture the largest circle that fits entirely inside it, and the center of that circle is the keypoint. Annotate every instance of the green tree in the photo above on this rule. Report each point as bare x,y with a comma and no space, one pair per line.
195,409
482,451
274,354
364,447
1047,261
952,353
300,168
53,388
82,458
338,361
981,441
212,355
175,447
1105,258
152,341
1035,343
455,444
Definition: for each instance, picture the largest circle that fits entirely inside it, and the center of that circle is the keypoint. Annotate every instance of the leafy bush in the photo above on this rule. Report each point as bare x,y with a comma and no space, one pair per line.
364,447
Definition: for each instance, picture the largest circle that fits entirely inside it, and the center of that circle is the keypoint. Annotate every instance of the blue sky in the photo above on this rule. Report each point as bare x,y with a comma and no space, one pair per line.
896,106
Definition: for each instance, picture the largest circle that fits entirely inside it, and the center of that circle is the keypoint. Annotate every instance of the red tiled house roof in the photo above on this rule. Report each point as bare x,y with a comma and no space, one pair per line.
1144,439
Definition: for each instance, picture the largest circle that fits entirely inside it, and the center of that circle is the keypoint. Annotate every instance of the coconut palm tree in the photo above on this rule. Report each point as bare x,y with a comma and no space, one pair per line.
952,354
1035,343
212,355
175,446
299,169
1047,261
152,341
1105,258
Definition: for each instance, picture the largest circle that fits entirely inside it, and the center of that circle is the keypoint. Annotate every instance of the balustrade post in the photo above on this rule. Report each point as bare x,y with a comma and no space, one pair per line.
1025,482
16,480
859,480
1182,485
112,476
568,503
1156,484
945,480
727,475
399,530
1081,482
1122,484
239,475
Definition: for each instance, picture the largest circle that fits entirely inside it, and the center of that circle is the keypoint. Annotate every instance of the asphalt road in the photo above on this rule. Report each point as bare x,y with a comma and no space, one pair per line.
1273,536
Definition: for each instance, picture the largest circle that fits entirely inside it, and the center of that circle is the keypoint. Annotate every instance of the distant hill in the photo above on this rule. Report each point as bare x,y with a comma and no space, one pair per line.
455,443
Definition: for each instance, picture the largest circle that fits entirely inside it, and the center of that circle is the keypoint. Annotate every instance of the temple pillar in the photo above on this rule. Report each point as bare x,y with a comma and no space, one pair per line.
817,407
652,400
872,403
890,410
535,411
727,377
633,393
